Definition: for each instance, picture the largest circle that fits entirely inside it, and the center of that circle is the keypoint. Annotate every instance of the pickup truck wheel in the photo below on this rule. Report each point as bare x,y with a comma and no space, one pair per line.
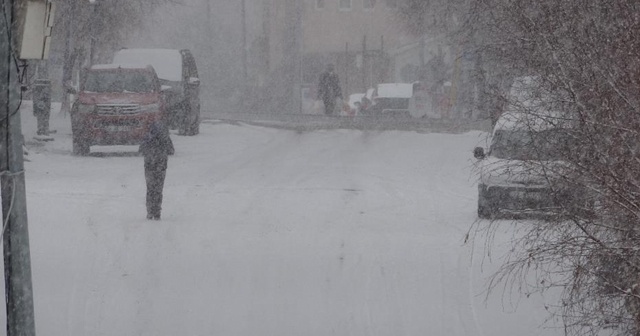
80,147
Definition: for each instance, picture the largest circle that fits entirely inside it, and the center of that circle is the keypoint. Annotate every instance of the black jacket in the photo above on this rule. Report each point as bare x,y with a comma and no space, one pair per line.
329,86
157,142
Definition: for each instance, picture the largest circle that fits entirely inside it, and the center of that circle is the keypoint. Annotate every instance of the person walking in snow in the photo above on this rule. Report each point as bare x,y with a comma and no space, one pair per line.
329,89
156,147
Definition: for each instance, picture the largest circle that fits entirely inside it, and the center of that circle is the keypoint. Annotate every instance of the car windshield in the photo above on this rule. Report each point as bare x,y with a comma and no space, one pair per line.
119,81
392,103
528,145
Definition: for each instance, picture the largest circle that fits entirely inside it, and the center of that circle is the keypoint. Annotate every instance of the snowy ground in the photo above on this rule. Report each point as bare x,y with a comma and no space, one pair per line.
265,232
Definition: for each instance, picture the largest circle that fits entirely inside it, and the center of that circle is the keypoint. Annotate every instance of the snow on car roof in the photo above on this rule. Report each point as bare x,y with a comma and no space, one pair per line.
530,108
166,62
395,90
370,92
355,98
117,66
514,121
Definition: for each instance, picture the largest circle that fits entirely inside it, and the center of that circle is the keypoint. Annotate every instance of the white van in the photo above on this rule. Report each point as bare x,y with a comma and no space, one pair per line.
391,100
527,146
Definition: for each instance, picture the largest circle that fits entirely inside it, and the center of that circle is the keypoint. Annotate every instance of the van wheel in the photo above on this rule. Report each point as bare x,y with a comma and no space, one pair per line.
194,128
190,121
80,147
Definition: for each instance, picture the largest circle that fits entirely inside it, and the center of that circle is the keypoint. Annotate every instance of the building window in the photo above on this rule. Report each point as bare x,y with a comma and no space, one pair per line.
392,3
345,4
368,4
319,4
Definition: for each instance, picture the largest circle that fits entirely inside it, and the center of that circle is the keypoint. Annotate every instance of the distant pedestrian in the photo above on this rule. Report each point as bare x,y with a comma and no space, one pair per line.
42,105
155,147
329,89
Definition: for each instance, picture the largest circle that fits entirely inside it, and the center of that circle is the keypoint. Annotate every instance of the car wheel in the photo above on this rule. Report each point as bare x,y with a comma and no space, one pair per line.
485,210
189,122
80,147
194,127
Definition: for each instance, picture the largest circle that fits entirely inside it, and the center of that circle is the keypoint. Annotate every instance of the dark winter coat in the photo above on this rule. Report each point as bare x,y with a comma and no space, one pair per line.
157,143
329,86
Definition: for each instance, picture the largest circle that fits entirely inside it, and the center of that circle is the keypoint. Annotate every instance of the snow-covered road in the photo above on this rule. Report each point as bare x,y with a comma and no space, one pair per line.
266,232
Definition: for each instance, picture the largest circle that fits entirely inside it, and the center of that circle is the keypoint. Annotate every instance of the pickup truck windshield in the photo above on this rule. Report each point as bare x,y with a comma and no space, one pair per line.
530,145
119,81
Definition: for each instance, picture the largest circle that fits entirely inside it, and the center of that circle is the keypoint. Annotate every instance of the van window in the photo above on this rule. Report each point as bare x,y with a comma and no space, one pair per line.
525,144
167,63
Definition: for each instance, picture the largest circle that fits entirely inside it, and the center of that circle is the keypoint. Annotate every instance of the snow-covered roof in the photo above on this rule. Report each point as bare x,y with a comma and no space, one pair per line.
525,91
355,98
530,108
369,93
166,62
117,66
395,90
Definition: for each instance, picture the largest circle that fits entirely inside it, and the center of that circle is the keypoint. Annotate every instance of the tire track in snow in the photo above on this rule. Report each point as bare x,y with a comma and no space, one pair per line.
93,286
231,167
471,295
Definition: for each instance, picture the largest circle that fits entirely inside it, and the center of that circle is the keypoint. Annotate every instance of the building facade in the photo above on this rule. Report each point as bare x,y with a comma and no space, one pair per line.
303,36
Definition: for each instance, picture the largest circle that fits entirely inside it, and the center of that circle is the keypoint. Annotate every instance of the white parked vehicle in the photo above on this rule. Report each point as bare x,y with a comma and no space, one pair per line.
391,99
355,103
518,173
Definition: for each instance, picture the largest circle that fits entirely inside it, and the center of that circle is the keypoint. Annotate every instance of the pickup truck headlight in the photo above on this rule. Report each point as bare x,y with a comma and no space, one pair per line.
150,108
84,108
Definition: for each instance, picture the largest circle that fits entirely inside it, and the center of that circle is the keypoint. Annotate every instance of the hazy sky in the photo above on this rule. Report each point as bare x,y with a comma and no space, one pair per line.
214,37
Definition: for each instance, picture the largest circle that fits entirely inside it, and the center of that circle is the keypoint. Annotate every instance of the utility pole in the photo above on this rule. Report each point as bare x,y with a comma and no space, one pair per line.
210,30
300,48
292,49
266,31
245,72
346,70
364,62
17,259
93,31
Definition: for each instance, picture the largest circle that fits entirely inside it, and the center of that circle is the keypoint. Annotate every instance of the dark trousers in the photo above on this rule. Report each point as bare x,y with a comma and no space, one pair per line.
43,123
329,106
155,169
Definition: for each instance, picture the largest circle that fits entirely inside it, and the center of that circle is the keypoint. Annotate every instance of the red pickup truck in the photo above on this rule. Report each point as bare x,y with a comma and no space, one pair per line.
115,105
